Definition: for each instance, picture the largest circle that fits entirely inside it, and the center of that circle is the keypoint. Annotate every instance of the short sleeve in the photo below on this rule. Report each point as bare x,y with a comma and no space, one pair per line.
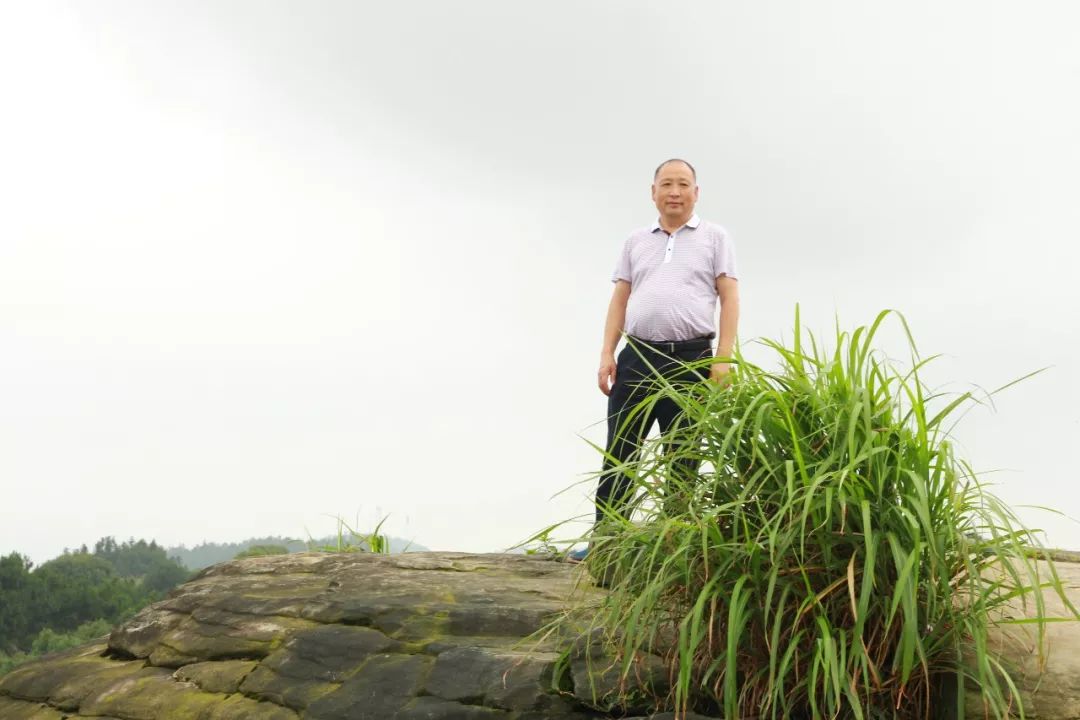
724,256
622,267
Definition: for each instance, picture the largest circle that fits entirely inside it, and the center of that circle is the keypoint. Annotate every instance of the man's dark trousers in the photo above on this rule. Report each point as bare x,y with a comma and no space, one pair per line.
635,381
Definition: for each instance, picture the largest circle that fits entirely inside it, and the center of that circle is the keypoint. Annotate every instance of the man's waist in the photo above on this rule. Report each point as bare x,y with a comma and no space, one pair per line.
674,346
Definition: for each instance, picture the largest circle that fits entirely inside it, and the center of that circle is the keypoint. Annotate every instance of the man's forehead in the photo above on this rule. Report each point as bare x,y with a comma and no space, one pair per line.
676,170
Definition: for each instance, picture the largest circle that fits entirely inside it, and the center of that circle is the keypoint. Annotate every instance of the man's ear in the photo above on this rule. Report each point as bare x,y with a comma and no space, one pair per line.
652,191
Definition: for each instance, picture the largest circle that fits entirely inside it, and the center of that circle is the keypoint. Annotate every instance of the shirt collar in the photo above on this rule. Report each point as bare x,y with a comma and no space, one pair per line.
692,223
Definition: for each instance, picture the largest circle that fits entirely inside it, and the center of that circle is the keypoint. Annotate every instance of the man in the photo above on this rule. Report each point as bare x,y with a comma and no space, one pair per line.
667,281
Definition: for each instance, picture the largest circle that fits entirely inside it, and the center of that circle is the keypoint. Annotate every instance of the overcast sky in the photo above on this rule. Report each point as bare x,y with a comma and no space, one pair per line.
263,263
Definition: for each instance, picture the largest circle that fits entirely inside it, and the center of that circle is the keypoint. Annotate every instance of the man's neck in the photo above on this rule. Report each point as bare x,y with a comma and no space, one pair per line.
670,224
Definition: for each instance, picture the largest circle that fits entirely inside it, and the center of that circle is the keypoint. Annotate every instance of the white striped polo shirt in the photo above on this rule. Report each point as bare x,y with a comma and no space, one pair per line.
673,279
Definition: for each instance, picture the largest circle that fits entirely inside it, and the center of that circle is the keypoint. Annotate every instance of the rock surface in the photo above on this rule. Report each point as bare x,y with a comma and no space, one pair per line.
438,636
321,636
1049,681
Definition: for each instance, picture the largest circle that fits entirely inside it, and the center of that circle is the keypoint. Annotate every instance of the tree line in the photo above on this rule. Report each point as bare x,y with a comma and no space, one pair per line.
79,595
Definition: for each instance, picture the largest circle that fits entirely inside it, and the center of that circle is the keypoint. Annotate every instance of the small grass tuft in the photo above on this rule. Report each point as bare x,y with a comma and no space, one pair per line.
351,540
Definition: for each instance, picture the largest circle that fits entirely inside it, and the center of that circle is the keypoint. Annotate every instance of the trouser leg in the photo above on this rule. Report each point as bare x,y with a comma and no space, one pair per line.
686,460
624,433
634,382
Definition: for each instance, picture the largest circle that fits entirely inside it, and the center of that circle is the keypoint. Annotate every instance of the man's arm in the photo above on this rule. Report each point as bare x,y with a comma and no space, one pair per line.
613,328
728,291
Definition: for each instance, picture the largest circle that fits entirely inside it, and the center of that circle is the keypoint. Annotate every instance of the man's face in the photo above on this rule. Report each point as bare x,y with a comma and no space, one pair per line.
675,191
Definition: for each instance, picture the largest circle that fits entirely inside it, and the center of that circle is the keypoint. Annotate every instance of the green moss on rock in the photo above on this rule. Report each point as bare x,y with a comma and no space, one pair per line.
223,676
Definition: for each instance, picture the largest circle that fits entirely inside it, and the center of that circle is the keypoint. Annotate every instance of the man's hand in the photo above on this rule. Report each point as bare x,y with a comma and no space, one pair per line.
606,374
720,373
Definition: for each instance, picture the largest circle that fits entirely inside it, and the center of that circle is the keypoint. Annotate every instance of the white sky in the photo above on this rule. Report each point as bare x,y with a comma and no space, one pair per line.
265,262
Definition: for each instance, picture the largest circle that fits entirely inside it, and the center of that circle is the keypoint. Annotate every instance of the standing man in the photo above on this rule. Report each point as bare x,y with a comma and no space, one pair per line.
667,281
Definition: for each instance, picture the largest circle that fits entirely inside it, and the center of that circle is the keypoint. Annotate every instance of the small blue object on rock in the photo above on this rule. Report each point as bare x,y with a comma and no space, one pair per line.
578,555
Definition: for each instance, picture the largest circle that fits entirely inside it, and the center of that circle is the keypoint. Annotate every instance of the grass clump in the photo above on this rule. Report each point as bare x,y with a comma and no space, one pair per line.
349,540
833,557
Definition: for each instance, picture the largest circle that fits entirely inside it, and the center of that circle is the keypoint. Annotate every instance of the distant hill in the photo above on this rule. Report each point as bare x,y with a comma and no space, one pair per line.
206,554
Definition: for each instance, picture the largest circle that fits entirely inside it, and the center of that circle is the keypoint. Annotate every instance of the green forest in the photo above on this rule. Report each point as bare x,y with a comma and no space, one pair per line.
79,595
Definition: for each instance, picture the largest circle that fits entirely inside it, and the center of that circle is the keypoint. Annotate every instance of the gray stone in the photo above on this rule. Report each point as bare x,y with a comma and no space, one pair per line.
149,694
139,636
265,684
12,709
497,678
238,707
223,676
313,663
66,679
329,653
1049,684
432,708
213,634
386,685
348,635
433,635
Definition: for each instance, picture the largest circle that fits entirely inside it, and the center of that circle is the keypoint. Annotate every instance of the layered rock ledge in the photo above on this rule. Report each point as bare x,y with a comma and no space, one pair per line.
438,636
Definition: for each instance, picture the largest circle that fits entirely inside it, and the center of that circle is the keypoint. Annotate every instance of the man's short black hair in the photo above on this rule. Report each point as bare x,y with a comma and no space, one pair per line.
668,162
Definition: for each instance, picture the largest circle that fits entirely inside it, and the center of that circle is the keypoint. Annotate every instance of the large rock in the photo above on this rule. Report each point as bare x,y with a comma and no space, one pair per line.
424,635
1049,680
314,635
